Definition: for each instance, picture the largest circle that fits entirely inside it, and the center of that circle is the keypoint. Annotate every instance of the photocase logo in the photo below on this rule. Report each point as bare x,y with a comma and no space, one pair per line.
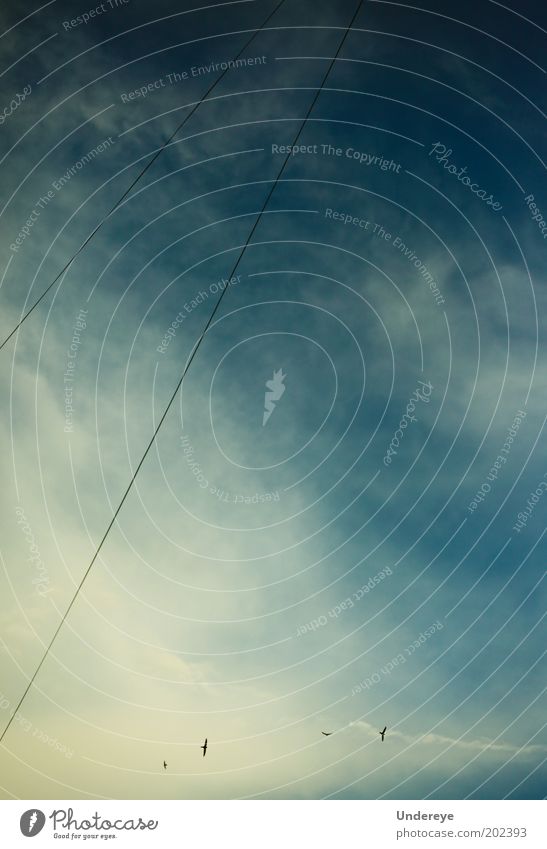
276,389
32,822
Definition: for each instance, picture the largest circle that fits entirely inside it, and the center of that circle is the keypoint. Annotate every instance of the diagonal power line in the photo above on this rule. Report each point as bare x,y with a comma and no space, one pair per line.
137,179
185,370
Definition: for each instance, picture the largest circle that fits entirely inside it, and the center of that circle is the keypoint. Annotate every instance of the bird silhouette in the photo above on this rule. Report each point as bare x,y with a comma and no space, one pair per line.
326,733
164,765
382,733
204,747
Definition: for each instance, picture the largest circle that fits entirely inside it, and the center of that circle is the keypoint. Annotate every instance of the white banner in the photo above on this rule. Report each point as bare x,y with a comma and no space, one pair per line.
274,824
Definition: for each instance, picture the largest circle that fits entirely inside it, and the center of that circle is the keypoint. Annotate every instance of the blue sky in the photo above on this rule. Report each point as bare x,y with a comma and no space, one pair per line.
275,580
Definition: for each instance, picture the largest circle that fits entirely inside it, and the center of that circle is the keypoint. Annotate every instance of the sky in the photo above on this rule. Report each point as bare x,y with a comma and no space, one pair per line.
372,554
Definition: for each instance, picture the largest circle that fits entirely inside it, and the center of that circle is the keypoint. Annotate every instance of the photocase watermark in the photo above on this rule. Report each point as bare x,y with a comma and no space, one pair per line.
362,157
57,185
499,462
176,77
68,377
81,163
423,395
88,16
347,604
347,218
275,389
536,214
29,726
238,498
65,819
442,155
191,305
32,822
42,577
40,205
93,827
535,496
398,660
378,230
223,495
14,104
399,245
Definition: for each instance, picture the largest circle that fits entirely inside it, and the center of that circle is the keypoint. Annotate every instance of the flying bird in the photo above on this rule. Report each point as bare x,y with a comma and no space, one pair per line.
382,733
164,765
326,733
204,747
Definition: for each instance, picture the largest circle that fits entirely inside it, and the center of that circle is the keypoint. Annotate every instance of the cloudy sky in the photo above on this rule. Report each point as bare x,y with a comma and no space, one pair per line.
370,555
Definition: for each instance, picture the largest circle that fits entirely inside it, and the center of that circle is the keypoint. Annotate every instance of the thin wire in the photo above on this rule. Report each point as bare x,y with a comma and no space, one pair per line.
138,177
184,373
